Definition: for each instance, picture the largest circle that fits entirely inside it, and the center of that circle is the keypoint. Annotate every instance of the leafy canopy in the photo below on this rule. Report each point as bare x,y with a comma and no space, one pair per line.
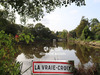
35,8
84,22
86,34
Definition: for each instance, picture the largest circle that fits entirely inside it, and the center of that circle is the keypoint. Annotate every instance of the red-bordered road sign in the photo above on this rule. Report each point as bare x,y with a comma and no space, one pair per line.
52,67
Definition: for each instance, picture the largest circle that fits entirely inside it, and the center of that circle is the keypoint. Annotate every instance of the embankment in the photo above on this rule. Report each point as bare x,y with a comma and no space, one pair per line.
89,43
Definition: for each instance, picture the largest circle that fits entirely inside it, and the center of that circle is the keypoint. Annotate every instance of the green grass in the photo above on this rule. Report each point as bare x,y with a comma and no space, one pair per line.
98,41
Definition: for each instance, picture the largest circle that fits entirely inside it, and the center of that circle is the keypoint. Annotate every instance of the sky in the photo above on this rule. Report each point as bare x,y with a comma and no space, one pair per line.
69,17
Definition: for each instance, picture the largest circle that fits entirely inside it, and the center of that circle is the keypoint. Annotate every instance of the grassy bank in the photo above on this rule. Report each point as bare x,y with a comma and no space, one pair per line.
92,43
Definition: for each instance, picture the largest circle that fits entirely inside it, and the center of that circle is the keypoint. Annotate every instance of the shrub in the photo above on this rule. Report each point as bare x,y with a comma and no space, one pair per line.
8,65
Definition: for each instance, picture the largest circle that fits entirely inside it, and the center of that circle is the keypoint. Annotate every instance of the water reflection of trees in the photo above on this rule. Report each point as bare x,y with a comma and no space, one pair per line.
37,49
84,53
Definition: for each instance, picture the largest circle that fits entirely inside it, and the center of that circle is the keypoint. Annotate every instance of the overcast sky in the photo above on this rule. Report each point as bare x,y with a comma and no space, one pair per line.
69,17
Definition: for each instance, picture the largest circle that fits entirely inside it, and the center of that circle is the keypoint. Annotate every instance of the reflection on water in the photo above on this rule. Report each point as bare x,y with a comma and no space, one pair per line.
58,51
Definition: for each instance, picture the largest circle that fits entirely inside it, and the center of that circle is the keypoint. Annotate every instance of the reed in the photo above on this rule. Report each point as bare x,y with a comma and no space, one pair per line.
93,70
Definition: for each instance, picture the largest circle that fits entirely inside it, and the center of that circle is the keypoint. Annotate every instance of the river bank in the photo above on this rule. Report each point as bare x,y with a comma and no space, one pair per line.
95,44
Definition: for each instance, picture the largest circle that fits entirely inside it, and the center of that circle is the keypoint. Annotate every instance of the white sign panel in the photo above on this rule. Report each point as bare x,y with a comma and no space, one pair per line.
47,67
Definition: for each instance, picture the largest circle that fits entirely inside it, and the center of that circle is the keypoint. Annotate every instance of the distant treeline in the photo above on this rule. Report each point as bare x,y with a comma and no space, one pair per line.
39,31
86,30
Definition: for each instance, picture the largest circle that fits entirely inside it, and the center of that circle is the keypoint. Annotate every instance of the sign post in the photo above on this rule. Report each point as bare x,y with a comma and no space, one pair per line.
52,67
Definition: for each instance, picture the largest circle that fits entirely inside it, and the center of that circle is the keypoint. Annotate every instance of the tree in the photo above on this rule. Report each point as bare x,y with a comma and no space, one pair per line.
3,14
8,66
72,34
3,24
12,29
93,22
95,28
96,31
86,34
79,29
35,8
58,34
9,27
94,25
42,32
46,33
38,29
64,33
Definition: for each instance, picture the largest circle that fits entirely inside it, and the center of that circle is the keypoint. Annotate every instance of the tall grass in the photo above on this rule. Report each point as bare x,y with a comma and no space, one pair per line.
93,70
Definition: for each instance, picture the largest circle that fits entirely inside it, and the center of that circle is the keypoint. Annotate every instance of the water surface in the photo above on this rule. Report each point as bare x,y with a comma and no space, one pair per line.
82,55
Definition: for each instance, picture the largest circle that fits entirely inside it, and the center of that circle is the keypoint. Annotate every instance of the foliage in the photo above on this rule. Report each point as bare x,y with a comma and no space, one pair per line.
72,34
93,70
26,37
3,13
97,37
11,29
8,65
86,34
71,39
7,54
6,26
93,22
62,34
41,32
3,24
95,29
81,26
35,8
87,30
97,41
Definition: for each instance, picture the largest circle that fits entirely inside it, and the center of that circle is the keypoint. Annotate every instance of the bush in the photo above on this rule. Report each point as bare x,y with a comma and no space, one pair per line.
8,65
93,70
97,37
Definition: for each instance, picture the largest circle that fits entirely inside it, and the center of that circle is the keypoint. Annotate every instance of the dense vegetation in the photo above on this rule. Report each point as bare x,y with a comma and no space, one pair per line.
87,30
62,34
39,31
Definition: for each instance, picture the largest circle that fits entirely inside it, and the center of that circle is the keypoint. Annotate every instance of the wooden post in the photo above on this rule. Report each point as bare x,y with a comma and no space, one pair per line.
72,63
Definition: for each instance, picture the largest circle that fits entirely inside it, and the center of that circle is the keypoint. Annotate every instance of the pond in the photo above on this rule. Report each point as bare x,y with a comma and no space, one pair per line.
82,55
